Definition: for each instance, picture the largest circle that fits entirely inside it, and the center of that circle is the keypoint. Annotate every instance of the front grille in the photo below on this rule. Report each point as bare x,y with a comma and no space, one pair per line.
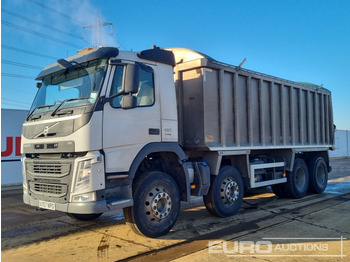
49,179
51,189
44,168
47,169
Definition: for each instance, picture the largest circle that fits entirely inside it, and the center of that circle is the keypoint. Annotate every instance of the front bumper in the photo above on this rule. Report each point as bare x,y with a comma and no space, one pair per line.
100,206
76,208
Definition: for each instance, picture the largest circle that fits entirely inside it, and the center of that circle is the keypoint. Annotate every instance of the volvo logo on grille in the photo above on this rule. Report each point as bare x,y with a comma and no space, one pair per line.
45,132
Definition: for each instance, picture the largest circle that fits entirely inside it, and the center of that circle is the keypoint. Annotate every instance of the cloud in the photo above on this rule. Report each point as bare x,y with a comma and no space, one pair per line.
95,30
79,18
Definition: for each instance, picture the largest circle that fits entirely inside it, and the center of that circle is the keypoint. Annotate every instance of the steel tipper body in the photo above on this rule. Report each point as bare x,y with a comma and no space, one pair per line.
226,107
143,131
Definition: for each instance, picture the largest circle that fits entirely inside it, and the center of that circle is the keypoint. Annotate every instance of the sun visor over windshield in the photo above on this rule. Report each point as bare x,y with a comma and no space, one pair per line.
102,52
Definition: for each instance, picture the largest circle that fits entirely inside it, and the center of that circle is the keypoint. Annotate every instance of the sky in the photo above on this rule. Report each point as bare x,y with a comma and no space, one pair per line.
297,40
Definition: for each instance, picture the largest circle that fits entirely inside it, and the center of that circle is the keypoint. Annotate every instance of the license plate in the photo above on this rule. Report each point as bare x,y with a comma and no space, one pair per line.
47,205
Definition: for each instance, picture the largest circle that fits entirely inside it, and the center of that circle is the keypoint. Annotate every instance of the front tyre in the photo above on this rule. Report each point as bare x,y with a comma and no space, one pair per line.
226,192
156,205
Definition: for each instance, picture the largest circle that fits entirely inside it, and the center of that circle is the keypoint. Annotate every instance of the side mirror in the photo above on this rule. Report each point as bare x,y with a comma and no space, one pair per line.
39,84
129,101
132,79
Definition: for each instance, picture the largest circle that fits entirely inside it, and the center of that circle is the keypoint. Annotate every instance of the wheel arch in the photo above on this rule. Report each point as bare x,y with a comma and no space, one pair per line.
173,158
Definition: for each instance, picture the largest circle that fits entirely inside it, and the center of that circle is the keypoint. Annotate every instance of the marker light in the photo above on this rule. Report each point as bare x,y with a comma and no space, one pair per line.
85,50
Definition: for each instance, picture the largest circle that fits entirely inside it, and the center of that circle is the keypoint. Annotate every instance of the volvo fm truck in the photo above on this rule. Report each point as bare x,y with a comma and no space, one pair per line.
143,131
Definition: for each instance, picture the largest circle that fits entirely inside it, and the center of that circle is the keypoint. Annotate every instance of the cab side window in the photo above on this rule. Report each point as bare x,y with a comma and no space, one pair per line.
145,94
117,86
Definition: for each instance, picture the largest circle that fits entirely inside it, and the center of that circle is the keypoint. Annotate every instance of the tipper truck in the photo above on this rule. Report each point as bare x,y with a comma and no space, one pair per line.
143,131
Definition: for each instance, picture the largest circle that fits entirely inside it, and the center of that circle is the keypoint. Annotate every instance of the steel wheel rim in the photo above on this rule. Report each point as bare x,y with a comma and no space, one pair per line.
229,191
158,204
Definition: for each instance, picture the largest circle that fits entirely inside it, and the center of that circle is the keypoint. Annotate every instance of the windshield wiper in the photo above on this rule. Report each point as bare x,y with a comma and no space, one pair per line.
65,101
38,107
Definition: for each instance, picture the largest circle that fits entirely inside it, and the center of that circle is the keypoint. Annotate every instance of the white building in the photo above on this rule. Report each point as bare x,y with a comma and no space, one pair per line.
11,129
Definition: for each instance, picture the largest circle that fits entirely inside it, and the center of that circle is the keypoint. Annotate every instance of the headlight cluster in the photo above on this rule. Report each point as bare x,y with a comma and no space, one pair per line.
84,174
89,178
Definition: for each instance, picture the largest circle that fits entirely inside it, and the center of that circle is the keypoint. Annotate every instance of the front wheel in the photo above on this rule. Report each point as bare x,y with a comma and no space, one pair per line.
156,205
226,192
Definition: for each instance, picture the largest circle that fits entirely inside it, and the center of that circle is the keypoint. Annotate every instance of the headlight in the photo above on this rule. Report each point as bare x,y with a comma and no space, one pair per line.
84,173
88,174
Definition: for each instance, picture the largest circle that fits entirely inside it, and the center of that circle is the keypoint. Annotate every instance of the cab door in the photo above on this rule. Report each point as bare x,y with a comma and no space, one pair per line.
127,131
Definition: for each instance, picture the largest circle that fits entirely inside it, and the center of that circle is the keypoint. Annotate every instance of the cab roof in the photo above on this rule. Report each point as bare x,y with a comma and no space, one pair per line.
81,57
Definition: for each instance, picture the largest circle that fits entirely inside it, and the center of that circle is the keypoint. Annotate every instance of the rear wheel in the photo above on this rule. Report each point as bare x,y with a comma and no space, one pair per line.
298,180
156,205
318,175
84,217
226,192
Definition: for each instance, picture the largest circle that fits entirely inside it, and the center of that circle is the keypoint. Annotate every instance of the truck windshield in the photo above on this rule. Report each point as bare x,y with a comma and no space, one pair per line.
73,87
